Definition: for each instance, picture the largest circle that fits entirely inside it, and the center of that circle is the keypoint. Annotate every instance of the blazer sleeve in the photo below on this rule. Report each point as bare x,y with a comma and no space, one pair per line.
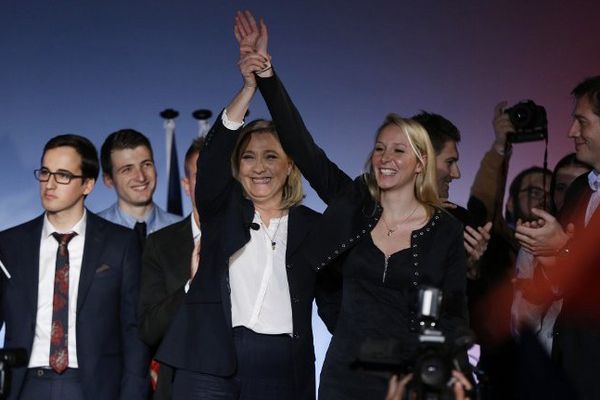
328,294
3,280
214,180
323,175
157,305
454,309
136,355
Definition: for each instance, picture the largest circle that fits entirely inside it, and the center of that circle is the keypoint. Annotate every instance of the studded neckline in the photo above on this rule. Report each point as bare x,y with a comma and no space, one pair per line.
435,217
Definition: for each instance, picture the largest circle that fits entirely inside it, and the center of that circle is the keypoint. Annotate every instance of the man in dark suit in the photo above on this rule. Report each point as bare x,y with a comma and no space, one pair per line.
445,136
568,256
71,297
166,268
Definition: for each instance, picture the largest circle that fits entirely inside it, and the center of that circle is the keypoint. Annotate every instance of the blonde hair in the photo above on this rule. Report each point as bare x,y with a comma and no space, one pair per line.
292,189
425,185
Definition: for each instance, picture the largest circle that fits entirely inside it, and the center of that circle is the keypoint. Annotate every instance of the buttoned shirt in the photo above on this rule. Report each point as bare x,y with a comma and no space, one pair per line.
40,351
260,294
155,219
594,199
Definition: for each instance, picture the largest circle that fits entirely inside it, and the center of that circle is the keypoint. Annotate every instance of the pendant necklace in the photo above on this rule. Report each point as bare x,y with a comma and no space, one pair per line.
266,231
391,231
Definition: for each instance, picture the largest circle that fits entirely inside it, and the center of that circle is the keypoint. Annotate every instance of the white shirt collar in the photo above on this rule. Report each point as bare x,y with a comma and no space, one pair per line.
79,227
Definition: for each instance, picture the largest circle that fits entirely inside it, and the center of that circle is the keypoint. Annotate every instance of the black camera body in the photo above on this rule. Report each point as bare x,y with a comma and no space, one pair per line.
10,358
433,361
529,120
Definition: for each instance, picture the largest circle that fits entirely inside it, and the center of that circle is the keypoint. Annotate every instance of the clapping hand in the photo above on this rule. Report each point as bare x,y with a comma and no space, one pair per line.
544,236
476,243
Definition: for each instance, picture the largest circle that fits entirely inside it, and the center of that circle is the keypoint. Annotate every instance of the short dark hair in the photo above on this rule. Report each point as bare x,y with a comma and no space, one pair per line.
439,129
119,140
570,160
515,187
83,147
589,87
194,149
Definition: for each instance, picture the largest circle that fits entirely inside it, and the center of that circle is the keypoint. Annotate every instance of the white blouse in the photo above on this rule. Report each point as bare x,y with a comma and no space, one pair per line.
260,294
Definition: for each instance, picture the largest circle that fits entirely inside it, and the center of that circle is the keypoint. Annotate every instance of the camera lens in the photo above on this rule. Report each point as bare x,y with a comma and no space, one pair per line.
522,116
434,372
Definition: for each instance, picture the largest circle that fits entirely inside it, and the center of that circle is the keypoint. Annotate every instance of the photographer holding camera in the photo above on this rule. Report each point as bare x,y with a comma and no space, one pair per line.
398,385
529,189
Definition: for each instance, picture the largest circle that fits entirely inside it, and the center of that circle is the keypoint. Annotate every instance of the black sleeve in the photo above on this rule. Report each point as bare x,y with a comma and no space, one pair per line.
213,177
329,294
323,175
157,306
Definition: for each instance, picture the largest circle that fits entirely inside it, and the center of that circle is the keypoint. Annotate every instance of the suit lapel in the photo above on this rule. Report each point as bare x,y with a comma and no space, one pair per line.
238,233
180,249
94,237
297,229
576,202
594,220
31,263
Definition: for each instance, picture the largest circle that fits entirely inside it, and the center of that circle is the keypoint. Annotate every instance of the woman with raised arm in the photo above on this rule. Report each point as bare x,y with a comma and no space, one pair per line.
244,330
386,227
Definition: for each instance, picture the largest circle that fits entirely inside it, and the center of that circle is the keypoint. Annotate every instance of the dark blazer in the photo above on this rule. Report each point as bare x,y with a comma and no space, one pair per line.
112,359
352,213
577,330
200,338
165,270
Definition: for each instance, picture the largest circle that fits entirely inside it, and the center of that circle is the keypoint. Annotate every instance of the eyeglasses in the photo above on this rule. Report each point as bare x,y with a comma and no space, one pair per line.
62,177
534,192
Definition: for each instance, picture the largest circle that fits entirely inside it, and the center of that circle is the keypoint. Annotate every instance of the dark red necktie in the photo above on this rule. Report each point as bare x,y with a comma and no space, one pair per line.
59,344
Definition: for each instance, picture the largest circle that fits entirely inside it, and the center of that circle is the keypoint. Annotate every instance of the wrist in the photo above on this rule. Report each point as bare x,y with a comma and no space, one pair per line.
500,146
267,72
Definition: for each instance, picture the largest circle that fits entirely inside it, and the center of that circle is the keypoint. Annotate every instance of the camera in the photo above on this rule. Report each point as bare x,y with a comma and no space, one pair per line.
434,360
10,358
529,120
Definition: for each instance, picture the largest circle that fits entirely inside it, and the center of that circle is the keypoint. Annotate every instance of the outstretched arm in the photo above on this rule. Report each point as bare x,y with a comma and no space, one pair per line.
214,173
323,175
490,181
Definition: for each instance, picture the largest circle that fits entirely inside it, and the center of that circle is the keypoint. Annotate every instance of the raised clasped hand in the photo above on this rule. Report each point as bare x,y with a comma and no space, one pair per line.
250,36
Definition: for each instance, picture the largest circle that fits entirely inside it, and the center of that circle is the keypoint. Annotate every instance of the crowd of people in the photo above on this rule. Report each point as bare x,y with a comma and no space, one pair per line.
137,303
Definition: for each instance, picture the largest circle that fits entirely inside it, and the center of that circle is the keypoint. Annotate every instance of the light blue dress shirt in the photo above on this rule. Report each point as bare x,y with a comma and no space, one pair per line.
156,219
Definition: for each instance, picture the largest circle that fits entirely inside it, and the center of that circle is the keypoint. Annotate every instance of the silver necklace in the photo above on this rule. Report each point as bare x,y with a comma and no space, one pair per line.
266,230
391,231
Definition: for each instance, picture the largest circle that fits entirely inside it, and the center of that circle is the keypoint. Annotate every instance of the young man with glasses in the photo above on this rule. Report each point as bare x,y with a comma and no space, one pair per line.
69,298
529,189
